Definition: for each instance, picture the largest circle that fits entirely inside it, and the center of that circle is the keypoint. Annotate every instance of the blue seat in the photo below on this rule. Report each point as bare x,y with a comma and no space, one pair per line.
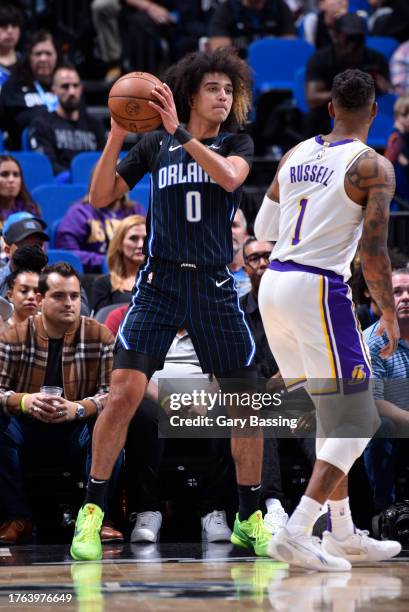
54,200
25,140
386,103
1,142
83,164
299,90
275,61
140,193
56,255
383,44
53,231
380,130
36,168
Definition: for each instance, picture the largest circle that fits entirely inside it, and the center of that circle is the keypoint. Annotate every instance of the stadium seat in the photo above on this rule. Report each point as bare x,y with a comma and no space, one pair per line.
36,167
274,62
386,103
54,200
101,315
383,44
83,164
140,193
299,90
1,142
53,231
25,140
380,130
55,255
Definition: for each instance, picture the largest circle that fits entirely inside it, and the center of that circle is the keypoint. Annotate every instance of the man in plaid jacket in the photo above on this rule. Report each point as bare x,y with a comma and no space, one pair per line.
57,348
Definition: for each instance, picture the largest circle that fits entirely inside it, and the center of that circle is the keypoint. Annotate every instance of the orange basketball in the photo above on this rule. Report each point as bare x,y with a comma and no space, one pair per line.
128,102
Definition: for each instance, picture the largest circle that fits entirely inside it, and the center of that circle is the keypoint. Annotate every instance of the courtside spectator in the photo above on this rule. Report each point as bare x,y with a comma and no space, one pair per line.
27,93
397,150
14,195
28,263
69,130
240,22
347,51
31,356
88,231
20,229
240,235
125,257
399,67
318,28
23,229
10,30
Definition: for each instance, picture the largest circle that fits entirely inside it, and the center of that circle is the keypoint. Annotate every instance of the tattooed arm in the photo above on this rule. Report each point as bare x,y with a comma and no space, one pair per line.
371,183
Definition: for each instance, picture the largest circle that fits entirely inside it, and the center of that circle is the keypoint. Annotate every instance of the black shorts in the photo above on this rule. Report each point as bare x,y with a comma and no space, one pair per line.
203,301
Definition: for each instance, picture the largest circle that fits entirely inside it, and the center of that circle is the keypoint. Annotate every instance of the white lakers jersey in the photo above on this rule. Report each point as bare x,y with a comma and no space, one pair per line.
319,224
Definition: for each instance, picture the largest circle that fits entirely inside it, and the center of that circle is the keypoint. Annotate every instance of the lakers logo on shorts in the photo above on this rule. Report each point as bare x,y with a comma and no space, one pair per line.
358,374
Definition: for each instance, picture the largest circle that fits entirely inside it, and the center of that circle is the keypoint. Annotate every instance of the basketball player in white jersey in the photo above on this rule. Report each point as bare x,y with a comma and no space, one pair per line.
329,192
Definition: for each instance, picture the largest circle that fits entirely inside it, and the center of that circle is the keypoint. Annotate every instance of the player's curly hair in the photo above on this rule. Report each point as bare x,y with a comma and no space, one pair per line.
353,89
185,76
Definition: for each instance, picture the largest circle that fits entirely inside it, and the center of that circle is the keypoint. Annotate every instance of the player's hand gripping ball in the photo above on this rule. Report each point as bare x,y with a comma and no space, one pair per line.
128,102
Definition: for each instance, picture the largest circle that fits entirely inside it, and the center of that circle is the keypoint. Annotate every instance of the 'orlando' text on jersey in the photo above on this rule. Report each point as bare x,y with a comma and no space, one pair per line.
190,215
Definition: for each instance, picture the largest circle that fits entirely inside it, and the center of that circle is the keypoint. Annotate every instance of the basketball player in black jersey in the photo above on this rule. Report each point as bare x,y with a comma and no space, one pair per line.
197,168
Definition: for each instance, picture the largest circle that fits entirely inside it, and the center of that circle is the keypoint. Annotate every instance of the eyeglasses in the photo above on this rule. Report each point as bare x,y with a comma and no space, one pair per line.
255,257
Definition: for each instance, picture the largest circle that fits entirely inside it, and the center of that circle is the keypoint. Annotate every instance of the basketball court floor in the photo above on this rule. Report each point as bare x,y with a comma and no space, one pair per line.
189,578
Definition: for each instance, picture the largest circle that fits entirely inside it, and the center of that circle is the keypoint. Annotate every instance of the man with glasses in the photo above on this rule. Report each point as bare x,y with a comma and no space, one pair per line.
69,130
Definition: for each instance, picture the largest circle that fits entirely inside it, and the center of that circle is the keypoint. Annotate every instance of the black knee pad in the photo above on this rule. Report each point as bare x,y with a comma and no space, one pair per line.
132,360
238,380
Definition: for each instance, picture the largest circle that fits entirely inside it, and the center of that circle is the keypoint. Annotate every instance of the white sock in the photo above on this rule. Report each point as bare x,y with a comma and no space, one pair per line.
340,519
271,503
304,516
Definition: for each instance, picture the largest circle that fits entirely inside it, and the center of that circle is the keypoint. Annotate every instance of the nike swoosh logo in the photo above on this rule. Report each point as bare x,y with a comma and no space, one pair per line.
220,283
255,488
174,148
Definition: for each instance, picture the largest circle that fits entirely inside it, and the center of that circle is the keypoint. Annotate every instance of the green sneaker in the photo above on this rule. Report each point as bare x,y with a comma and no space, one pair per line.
86,544
251,534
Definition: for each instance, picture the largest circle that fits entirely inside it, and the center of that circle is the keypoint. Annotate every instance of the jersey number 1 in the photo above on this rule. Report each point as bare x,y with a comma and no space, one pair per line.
193,206
302,206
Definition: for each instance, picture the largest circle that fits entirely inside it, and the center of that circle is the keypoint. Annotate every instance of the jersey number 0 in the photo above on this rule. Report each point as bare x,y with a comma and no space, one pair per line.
193,206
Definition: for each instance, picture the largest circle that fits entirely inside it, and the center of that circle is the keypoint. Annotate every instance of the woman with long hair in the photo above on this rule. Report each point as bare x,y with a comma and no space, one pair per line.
125,257
14,195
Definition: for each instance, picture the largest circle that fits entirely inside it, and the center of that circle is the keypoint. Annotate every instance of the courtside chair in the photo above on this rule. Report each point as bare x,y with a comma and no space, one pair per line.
83,164
69,257
36,168
54,200
383,44
274,62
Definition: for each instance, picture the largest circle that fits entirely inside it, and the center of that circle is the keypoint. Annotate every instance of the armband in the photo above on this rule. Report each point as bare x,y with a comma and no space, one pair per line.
182,135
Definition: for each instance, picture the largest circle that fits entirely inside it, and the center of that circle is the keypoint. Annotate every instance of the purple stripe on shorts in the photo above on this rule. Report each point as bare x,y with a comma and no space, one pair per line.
321,141
293,266
355,370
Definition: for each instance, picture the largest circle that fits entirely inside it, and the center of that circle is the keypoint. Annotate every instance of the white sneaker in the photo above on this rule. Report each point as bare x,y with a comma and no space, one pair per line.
360,548
215,527
146,527
304,551
275,518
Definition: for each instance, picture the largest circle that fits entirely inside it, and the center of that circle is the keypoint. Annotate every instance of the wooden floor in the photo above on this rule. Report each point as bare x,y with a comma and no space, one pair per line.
190,577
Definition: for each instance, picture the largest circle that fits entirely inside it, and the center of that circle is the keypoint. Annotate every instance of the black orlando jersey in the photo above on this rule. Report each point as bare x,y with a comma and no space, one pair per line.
190,216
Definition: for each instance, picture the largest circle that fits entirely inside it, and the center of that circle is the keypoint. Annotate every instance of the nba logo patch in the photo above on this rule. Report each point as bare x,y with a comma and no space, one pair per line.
150,278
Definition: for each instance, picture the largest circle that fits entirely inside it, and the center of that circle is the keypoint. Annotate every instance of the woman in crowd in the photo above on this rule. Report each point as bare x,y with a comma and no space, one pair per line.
88,231
125,257
27,92
23,282
14,195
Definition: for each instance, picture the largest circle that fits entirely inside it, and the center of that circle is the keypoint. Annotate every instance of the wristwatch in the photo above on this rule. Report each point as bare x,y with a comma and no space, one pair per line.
80,412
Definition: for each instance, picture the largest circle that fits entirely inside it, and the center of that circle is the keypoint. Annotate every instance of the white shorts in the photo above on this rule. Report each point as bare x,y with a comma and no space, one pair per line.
312,329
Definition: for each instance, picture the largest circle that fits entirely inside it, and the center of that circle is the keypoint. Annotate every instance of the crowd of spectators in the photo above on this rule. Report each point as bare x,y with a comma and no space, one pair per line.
47,336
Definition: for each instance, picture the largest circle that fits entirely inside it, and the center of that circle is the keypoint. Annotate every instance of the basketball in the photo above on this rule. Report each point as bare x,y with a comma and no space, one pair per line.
128,102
